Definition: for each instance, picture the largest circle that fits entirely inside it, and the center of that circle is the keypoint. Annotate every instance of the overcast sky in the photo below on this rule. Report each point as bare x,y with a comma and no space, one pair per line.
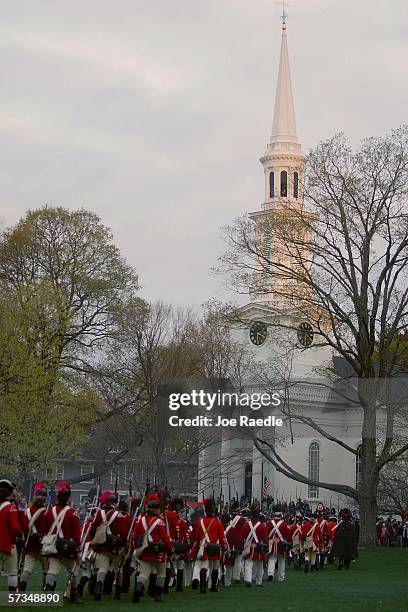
154,113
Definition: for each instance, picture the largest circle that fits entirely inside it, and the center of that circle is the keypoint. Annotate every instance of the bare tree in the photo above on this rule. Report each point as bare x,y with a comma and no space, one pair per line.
339,260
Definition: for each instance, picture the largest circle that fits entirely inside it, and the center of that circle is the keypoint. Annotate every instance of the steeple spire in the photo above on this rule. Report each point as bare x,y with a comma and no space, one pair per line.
284,121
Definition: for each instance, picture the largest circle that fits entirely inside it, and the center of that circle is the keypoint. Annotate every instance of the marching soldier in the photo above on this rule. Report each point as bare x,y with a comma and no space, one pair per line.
331,528
209,542
62,521
10,531
237,523
229,557
88,555
297,547
322,520
181,542
279,538
255,539
152,543
35,529
108,536
170,522
312,539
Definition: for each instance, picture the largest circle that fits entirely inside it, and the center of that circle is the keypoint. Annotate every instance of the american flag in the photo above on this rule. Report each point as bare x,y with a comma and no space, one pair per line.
265,488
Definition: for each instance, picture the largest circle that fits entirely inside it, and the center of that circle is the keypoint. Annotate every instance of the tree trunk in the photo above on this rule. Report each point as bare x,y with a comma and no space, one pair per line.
368,514
369,476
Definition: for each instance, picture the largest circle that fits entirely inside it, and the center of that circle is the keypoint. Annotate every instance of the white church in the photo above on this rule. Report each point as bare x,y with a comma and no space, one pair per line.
231,464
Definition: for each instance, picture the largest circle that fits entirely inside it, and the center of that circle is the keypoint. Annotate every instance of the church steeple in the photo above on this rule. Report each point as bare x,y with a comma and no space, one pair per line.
283,162
284,121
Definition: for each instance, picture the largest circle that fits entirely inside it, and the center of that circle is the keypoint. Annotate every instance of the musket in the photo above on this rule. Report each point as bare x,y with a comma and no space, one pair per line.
84,537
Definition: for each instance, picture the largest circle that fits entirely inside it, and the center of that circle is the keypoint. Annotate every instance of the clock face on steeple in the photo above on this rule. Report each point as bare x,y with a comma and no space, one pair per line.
258,333
305,334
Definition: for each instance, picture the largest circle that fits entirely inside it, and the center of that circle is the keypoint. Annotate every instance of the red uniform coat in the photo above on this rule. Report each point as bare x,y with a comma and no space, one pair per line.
182,534
10,527
275,527
158,534
37,530
71,526
314,531
215,532
331,527
230,536
119,526
249,540
237,523
170,521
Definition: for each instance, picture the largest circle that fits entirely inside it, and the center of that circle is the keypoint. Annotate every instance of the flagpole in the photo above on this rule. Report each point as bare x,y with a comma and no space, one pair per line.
262,480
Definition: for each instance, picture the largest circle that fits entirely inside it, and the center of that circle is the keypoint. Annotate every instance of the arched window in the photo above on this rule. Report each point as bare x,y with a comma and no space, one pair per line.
284,184
359,466
314,468
272,185
296,185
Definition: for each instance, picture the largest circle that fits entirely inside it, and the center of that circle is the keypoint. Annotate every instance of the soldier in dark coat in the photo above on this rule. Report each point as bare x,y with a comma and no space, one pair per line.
345,541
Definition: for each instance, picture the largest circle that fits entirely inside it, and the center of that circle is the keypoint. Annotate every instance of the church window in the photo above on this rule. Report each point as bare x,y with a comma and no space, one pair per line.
296,185
359,466
284,184
272,185
314,469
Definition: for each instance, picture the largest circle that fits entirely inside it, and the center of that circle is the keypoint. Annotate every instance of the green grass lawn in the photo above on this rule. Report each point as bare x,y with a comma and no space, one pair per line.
377,581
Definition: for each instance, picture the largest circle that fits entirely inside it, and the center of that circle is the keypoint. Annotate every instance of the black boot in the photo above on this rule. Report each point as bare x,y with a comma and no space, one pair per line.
180,578
157,593
118,592
152,585
166,582
270,578
43,580
214,581
307,563
92,584
108,584
81,585
126,582
74,597
49,587
194,584
203,581
12,589
138,592
22,586
98,591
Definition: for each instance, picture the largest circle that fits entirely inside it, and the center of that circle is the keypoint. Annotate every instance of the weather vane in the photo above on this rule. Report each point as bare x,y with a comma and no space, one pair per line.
284,14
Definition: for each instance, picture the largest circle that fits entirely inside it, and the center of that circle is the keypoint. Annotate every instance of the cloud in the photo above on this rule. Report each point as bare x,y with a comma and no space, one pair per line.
154,114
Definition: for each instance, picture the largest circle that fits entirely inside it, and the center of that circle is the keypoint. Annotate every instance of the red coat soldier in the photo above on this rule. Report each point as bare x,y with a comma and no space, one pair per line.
35,529
295,530
312,539
209,543
279,537
10,531
63,521
181,539
255,539
152,544
237,522
108,537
